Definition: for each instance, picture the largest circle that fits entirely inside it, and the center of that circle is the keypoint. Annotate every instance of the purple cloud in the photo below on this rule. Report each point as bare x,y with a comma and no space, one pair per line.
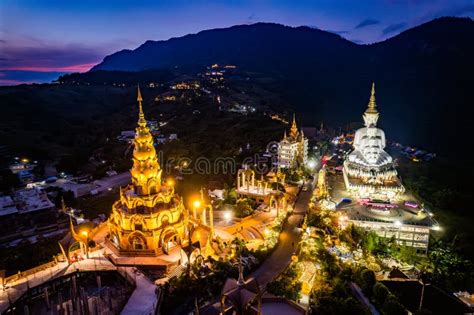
64,58
393,28
367,22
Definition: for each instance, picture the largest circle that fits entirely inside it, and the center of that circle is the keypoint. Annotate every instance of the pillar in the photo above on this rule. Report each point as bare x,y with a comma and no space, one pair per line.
46,298
203,216
211,221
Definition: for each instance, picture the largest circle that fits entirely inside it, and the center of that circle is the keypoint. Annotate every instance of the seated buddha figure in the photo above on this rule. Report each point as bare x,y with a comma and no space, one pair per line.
369,141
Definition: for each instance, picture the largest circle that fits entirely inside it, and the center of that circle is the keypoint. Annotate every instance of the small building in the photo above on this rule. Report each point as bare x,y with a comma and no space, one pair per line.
293,150
7,206
245,297
34,199
261,190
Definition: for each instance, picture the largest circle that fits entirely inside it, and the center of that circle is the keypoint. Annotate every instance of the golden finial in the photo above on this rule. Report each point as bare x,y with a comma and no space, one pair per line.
294,128
372,104
284,134
139,94
141,115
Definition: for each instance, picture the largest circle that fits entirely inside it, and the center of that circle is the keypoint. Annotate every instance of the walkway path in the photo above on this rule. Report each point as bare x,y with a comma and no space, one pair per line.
17,288
289,238
142,301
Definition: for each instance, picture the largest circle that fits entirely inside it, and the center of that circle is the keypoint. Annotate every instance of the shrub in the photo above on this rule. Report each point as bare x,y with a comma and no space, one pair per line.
392,306
380,293
367,281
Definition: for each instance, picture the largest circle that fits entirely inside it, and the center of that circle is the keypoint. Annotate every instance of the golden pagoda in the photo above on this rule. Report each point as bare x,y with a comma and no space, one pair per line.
294,129
149,219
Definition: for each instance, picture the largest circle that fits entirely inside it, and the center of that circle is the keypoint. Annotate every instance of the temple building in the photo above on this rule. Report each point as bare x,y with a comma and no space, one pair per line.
293,150
371,195
368,170
149,219
263,190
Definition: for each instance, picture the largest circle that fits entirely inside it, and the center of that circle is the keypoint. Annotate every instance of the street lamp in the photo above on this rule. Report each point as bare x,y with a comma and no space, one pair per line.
86,235
196,205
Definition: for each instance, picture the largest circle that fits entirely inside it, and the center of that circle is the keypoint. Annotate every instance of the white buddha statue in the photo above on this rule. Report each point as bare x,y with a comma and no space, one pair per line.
369,142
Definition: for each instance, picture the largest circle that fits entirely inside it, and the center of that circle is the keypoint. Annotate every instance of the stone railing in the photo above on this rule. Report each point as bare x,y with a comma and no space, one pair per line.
29,272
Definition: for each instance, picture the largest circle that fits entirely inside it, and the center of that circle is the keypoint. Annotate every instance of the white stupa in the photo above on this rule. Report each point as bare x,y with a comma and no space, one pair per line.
369,170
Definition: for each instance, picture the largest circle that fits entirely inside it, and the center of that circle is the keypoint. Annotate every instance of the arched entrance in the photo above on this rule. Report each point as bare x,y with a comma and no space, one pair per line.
137,241
169,240
115,240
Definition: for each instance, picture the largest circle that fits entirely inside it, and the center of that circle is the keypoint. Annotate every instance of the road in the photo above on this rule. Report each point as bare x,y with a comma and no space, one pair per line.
288,240
105,183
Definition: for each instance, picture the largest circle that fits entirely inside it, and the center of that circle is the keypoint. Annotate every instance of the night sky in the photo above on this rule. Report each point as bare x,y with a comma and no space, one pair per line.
40,39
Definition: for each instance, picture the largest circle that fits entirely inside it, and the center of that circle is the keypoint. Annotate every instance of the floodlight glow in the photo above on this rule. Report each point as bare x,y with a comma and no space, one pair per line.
227,216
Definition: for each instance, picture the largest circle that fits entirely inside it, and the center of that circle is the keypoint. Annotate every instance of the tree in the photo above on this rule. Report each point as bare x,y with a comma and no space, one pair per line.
393,307
230,196
8,180
380,293
328,262
243,208
367,281
286,285
450,270
351,306
407,254
352,235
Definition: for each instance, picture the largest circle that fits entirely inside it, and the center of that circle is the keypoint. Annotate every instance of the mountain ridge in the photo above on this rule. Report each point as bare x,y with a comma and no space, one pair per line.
423,75
148,43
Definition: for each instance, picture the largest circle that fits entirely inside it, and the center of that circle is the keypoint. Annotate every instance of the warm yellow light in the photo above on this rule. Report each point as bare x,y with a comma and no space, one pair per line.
85,233
196,204
227,216
25,160
170,182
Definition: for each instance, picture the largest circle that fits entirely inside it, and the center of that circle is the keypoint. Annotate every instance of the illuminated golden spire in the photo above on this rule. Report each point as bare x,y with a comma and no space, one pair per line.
146,172
141,115
372,108
371,114
294,129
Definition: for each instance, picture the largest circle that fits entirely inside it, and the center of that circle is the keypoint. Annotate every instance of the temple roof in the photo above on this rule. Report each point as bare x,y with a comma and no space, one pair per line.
372,106
146,171
294,129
